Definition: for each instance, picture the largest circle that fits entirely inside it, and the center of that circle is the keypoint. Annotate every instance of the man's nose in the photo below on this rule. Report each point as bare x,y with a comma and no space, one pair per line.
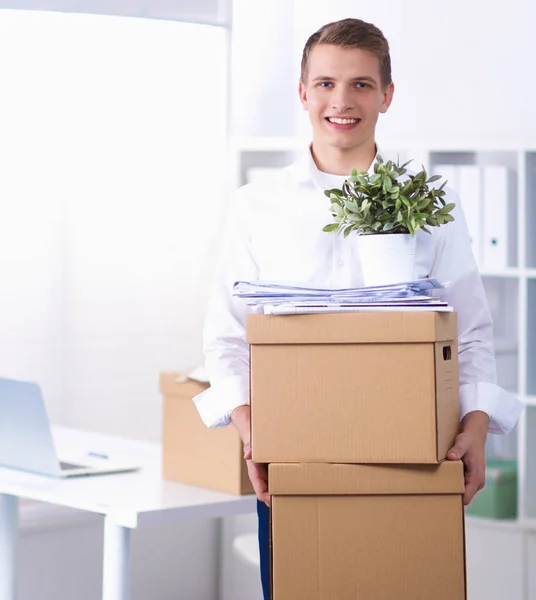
342,101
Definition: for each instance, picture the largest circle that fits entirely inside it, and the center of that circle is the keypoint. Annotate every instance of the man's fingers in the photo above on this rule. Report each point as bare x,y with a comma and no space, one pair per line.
471,488
247,450
258,475
264,497
461,445
457,452
474,482
261,491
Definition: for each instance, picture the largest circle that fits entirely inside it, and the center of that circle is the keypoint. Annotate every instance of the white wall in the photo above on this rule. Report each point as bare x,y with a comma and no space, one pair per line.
112,156
462,69
111,196
263,84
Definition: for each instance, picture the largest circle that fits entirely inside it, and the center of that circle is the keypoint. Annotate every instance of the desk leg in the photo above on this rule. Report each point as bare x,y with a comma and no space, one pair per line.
8,540
116,567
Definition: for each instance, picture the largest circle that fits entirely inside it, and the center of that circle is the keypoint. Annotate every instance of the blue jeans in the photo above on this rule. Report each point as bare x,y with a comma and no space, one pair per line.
263,512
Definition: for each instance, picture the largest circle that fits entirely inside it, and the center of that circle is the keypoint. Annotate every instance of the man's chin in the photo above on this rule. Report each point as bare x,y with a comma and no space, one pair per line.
345,144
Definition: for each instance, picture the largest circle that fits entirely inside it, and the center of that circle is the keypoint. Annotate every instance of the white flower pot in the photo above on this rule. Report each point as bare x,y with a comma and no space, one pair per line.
387,257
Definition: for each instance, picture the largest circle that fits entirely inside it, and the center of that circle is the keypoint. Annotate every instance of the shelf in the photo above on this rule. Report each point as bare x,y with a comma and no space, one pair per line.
528,476
482,158
527,524
530,218
531,338
502,524
257,157
512,272
510,284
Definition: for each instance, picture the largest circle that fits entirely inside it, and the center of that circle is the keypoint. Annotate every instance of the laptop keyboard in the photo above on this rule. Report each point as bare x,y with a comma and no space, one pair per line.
64,466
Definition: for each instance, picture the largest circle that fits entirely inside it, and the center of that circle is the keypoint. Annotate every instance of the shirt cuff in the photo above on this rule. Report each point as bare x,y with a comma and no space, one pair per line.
502,407
217,402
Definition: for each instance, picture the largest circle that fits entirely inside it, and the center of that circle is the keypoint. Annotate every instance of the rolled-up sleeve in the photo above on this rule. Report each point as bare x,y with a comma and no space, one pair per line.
456,267
224,333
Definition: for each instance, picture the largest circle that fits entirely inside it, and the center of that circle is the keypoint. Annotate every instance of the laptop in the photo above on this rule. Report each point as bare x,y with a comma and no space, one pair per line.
26,441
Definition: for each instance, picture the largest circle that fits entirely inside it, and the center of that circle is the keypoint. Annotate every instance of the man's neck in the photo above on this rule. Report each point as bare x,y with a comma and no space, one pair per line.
341,161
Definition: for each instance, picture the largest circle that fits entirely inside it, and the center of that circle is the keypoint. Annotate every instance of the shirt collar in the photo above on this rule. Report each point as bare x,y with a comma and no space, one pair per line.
304,168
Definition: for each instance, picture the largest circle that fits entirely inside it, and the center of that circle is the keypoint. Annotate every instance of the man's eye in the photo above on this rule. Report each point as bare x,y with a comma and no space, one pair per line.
362,85
325,83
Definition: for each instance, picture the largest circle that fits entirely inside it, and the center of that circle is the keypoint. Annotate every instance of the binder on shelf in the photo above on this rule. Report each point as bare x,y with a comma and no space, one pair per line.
499,237
470,192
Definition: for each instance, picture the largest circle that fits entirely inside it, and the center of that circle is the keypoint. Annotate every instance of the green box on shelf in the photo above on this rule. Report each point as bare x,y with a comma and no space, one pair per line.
498,500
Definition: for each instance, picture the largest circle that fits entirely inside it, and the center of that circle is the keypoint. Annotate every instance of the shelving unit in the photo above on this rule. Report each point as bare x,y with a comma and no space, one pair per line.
265,153
511,291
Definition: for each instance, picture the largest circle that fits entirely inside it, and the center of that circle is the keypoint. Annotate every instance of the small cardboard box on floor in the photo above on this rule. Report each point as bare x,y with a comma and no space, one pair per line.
370,532
193,453
368,387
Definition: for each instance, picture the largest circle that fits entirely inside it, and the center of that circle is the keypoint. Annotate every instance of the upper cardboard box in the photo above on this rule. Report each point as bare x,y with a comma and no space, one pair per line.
354,387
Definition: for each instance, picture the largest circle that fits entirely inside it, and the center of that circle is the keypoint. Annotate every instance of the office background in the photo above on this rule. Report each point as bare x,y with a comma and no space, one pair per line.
121,140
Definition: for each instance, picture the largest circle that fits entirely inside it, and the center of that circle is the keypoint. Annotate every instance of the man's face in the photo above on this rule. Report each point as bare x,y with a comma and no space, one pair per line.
344,95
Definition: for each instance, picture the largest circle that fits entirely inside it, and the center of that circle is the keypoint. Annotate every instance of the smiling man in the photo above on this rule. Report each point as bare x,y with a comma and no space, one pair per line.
275,233
345,88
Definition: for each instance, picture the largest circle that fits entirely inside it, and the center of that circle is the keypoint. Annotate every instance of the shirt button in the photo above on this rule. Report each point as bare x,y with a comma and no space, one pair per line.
341,263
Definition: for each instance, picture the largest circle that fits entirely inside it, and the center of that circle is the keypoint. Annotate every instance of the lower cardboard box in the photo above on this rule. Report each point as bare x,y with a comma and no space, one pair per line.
367,532
193,453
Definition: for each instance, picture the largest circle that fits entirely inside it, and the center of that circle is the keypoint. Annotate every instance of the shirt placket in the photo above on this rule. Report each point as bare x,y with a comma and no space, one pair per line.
342,264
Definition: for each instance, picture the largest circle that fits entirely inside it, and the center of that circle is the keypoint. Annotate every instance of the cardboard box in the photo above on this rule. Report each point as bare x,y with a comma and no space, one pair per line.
354,387
370,532
191,452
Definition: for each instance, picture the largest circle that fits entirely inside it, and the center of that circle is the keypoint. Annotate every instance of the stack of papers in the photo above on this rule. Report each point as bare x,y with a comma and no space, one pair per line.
284,299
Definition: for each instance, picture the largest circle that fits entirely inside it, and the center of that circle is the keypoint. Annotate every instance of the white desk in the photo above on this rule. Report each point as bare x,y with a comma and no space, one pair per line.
126,500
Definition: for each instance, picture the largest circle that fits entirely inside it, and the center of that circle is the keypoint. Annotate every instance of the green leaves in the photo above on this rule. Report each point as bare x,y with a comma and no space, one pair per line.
331,227
388,201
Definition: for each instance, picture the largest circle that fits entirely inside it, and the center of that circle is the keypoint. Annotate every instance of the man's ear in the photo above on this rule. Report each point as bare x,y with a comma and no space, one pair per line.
303,95
387,97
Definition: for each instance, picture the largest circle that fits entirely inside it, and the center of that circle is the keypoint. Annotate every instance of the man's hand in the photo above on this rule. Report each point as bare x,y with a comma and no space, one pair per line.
258,475
470,447
257,472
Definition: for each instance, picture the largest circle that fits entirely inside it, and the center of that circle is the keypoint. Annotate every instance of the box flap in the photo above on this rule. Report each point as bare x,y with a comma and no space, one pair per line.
362,327
340,479
177,384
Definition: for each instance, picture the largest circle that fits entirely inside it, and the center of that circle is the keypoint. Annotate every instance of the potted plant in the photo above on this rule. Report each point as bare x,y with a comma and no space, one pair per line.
386,208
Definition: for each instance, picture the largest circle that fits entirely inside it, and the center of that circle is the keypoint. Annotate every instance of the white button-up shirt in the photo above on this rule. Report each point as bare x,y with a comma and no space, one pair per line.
275,234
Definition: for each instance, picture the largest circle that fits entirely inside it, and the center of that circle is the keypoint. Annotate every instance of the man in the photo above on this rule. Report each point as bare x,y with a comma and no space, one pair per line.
276,234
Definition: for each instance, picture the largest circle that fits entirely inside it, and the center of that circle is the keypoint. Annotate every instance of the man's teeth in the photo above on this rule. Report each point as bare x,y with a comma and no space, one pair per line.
342,121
